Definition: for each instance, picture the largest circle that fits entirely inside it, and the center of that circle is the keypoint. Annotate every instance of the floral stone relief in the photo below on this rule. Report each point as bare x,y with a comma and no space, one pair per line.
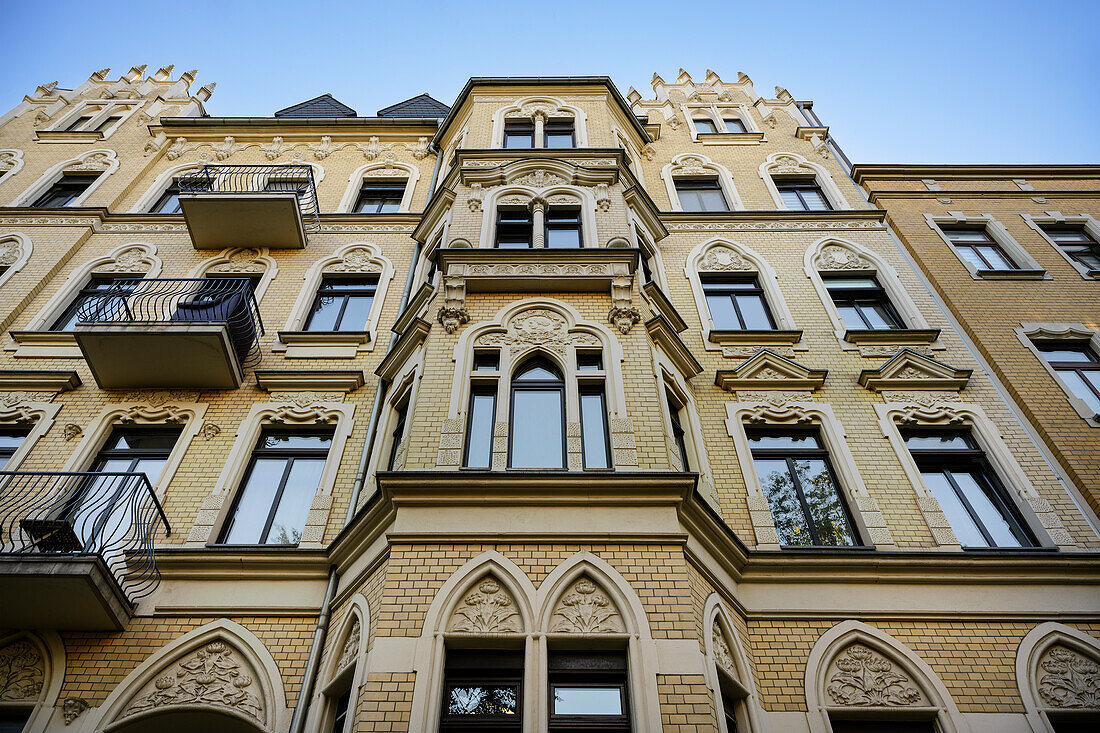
862,677
1069,679
22,671
488,608
586,609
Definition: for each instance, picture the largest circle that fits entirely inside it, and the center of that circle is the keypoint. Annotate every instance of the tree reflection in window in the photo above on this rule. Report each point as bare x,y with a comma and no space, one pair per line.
802,493
482,700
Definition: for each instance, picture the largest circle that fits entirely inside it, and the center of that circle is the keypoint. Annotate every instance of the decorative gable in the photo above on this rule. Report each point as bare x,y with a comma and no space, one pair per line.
487,608
768,370
585,608
909,369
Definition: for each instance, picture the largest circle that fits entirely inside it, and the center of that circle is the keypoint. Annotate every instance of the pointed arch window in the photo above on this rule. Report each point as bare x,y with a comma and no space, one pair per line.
537,434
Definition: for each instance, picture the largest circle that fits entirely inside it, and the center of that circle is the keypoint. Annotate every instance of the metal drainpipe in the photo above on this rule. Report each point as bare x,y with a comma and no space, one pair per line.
309,677
1002,391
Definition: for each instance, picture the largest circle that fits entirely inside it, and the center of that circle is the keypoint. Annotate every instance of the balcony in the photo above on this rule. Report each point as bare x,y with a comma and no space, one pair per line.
179,333
76,549
250,206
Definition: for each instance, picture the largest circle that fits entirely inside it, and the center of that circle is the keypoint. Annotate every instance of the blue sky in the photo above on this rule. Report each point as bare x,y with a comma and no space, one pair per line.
898,81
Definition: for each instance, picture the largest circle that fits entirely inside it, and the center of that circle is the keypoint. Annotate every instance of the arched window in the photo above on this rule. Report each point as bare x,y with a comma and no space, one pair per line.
798,185
539,122
70,182
537,416
695,183
382,187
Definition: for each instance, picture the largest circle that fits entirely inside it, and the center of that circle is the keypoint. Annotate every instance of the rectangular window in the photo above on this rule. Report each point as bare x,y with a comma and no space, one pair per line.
82,120
169,201
563,228
284,184
1078,366
594,427
802,194
340,712
93,300
801,490
588,691
380,198
734,125
278,488
10,440
1076,242
68,189
701,194
737,304
486,361
108,123
396,434
514,228
704,126
519,134
862,303
957,473
342,304
482,691
589,361
678,433
978,248
558,134
479,425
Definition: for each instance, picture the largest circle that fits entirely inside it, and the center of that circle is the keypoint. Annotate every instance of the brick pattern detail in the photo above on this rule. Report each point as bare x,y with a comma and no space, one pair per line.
687,706
385,703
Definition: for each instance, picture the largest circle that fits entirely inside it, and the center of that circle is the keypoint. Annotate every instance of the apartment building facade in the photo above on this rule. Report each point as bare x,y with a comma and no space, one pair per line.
549,410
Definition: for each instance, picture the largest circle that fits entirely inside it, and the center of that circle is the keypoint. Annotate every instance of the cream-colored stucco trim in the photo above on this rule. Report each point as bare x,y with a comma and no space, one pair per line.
335,679
40,415
52,652
686,165
16,157
512,194
24,249
529,107
54,173
160,183
1029,333
409,172
1000,235
264,263
716,615
793,163
1028,657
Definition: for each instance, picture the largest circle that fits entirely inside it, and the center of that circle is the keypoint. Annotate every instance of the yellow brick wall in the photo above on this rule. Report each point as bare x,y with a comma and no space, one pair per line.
687,706
385,702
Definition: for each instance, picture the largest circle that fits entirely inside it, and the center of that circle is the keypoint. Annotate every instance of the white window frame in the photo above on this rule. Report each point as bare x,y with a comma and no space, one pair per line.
1072,334
551,108
1030,269
392,170
780,164
1086,221
110,107
686,165
24,247
55,172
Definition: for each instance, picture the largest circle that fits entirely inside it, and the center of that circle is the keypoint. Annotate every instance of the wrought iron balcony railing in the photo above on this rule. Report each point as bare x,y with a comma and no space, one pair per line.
114,516
234,180
181,301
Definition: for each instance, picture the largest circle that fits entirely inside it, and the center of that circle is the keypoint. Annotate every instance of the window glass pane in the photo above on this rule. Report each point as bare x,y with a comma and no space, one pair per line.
594,430
1079,388
480,439
824,502
559,139
961,523
301,486
878,316
142,440
996,260
536,429
486,361
563,238
712,201
12,720
754,311
968,254
850,316
967,235
325,312
722,312
482,700
704,125
815,200
734,125
1090,258
851,282
254,504
995,523
296,440
784,440
1055,353
355,314
589,361
778,485
1068,235
587,700
944,441
536,373
791,200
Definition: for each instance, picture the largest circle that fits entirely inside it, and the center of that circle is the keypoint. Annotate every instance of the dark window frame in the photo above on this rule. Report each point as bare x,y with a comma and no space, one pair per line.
558,129
707,120
574,223
73,185
798,186
17,430
536,385
90,291
367,286
700,184
1092,365
679,434
397,433
851,297
721,285
483,667
1091,247
513,228
987,241
790,455
594,388
741,127
974,459
480,388
518,129
389,193
170,192
606,669
260,452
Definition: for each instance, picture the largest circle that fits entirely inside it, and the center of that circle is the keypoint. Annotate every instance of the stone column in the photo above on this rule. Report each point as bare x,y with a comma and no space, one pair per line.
540,128
538,223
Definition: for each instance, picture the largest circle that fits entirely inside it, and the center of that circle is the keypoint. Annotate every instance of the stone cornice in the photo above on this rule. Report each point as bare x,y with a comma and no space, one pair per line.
865,172
103,221
407,342
663,333
38,380
983,194
232,563
341,380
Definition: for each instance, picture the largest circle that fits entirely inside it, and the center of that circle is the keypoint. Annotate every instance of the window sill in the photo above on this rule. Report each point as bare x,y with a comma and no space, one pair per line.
44,345
892,336
786,337
730,138
1010,274
67,136
323,344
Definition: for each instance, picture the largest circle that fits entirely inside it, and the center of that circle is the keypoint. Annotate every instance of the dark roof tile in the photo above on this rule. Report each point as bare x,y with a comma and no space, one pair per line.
422,105
323,106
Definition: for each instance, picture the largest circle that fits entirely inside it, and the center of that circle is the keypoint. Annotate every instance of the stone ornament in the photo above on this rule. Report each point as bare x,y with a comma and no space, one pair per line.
836,257
351,646
96,162
72,708
1069,679
864,678
487,609
9,159
452,318
210,430
723,259
71,432
324,148
356,259
373,148
538,327
586,609
420,151
137,259
240,260
22,671
180,147
624,318
722,655
227,148
215,675
274,149
690,165
540,179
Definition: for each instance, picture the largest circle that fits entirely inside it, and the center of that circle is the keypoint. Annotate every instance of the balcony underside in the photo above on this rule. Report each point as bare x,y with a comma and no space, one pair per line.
220,220
151,355
70,592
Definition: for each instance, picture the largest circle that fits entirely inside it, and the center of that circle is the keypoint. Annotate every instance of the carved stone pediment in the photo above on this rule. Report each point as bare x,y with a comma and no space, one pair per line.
214,675
861,677
22,671
723,657
1068,679
585,608
910,370
839,257
767,370
350,651
487,608
721,258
